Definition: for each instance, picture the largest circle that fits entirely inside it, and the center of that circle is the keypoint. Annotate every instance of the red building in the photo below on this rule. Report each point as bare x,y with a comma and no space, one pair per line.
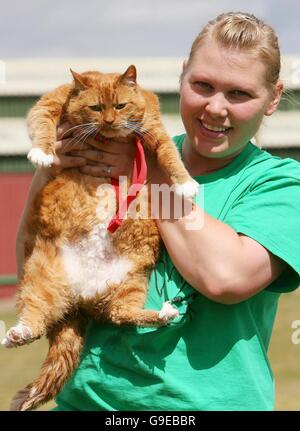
13,192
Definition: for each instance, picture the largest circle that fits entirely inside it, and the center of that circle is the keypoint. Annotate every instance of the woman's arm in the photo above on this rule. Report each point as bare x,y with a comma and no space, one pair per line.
40,179
217,261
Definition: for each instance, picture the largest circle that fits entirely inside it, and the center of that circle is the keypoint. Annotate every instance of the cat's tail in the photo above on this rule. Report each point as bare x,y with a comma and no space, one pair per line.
65,345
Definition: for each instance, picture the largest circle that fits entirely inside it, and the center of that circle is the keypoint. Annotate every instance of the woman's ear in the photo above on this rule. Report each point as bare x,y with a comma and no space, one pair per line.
184,67
278,90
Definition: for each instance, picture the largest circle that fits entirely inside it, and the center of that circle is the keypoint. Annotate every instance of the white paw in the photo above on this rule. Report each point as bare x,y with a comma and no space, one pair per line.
38,157
17,336
168,312
188,189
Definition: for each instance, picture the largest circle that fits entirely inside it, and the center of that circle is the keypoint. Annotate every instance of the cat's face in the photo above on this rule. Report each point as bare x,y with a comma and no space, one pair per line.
109,104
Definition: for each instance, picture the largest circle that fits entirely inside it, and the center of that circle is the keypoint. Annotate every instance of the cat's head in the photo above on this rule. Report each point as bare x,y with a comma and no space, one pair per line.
112,103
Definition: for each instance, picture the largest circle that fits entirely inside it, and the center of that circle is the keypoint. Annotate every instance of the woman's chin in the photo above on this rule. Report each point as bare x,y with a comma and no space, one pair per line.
212,149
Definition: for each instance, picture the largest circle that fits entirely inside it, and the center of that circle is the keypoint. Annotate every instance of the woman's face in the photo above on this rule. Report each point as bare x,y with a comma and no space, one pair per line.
223,98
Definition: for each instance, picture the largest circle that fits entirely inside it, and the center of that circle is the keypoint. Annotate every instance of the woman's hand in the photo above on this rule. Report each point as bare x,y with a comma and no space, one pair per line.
108,158
101,159
65,144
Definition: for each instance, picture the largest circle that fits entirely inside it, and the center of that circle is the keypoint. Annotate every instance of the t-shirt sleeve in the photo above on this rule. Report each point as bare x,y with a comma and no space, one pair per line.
269,212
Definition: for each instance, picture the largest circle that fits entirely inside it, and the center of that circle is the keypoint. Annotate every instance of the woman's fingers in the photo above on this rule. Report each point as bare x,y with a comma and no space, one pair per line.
105,159
64,131
64,158
114,147
121,164
67,145
63,162
97,156
100,170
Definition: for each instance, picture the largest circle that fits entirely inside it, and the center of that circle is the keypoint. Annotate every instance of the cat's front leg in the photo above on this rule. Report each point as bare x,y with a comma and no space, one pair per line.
169,160
39,158
43,135
42,121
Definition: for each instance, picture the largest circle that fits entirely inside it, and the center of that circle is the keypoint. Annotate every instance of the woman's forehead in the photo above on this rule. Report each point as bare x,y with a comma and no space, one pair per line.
231,65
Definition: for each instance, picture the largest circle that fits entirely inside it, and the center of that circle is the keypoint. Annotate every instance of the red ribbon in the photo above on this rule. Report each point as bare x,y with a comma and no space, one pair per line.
139,176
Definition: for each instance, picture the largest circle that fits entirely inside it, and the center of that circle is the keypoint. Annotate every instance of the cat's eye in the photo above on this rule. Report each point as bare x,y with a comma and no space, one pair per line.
120,106
96,108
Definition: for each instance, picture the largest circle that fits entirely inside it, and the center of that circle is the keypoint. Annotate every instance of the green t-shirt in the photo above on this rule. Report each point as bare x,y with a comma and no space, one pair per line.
213,356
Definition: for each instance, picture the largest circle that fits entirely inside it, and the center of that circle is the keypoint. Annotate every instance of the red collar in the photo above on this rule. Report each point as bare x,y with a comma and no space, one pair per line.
139,176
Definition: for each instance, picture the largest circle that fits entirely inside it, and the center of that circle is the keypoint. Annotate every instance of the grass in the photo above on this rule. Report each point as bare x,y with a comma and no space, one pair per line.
285,355
21,366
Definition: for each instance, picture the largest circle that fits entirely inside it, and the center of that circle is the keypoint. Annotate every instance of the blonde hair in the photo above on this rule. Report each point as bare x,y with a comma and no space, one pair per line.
244,31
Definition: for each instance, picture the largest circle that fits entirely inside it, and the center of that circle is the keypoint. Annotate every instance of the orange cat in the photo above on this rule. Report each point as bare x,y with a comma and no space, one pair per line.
74,266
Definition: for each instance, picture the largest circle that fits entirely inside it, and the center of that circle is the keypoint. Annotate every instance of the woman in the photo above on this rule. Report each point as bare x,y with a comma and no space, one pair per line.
225,276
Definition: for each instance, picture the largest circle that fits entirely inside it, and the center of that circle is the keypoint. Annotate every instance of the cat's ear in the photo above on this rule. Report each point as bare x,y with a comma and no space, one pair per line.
79,81
129,77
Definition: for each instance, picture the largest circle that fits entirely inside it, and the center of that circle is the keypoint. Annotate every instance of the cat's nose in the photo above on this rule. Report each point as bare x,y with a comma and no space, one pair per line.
109,118
108,121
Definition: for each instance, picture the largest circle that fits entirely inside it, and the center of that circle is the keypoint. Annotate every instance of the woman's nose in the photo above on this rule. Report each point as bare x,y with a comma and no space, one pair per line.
217,105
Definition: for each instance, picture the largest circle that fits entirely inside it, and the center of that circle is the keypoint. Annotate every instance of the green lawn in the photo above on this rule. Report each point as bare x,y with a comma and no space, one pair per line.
284,355
20,366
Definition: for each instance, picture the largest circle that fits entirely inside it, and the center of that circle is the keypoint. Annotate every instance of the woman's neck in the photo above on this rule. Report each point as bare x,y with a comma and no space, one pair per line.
198,165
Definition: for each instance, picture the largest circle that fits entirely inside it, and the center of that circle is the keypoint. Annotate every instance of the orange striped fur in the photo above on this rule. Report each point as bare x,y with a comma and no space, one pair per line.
68,251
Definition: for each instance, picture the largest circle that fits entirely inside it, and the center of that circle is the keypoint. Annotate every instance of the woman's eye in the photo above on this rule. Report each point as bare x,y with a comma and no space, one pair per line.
120,106
204,86
96,108
240,94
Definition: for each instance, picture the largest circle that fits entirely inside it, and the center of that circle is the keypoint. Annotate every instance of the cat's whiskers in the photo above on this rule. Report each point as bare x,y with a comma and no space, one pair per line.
76,127
136,127
89,129
85,135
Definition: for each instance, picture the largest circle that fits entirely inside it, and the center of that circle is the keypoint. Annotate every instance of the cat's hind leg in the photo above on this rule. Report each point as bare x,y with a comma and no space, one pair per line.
138,241
43,296
124,305
65,345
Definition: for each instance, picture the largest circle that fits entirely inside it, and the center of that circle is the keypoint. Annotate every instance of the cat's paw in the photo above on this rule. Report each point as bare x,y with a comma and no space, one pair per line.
188,189
39,158
168,312
17,336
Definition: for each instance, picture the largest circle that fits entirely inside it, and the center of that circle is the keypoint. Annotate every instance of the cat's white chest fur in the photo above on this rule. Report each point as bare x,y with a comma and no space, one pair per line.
92,264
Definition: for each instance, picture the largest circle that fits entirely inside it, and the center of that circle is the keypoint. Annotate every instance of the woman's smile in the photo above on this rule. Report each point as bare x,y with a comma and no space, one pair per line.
213,131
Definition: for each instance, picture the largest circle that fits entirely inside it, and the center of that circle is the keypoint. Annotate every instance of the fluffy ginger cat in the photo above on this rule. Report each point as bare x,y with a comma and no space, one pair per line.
74,266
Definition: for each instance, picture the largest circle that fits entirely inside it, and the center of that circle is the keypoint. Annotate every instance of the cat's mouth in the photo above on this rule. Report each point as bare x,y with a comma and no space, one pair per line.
113,132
